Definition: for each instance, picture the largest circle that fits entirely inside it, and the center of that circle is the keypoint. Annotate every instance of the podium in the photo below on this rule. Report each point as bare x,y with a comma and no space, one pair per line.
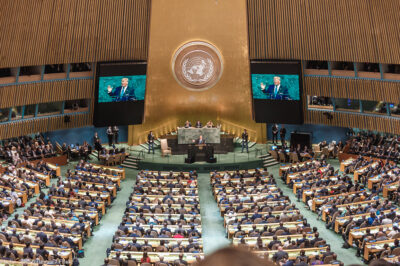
200,152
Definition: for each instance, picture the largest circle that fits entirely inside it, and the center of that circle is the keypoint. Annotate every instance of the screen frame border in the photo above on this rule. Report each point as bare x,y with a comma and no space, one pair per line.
278,61
97,81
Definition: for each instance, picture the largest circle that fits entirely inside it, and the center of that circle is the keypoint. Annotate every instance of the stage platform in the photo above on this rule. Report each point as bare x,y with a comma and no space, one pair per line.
230,161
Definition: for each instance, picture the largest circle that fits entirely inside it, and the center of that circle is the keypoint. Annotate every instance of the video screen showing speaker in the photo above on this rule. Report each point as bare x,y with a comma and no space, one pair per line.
120,93
277,91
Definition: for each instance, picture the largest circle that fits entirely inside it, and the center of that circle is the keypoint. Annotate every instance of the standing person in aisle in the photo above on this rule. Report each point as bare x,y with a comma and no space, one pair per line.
116,134
110,136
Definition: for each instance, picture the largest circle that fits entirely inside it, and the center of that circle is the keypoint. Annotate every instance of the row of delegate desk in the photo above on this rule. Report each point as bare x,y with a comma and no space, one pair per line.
28,187
221,187
63,208
355,234
144,209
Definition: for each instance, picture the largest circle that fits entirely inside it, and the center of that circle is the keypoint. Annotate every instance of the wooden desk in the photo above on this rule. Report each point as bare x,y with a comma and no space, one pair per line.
101,205
360,171
294,253
255,196
232,229
154,256
158,227
286,167
45,178
360,232
285,203
155,242
309,192
13,179
239,216
76,238
55,167
346,163
58,222
298,185
114,179
176,207
353,205
289,177
374,247
65,253
21,194
387,188
378,178
252,241
156,198
118,171
110,188
320,200
341,220
92,214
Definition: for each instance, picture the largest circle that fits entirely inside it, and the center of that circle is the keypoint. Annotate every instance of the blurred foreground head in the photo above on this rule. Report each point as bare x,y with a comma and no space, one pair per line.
234,257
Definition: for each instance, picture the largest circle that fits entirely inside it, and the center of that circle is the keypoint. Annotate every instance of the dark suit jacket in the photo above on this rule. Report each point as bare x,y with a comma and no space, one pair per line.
198,141
129,94
282,93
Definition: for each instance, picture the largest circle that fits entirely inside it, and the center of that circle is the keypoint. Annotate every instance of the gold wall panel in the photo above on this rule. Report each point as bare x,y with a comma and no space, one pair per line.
339,30
45,124
55,32
381,124
42,92
222,23
363,89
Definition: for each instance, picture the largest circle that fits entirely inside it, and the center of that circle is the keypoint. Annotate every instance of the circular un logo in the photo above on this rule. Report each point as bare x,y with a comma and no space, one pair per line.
197,66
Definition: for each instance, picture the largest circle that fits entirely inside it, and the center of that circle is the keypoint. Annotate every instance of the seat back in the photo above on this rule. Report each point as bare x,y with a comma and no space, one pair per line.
274,154
282,157
328,259
113,262
164,144
294,156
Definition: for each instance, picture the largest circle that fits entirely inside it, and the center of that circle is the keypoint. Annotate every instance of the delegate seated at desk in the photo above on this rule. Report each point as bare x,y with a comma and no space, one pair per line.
198,124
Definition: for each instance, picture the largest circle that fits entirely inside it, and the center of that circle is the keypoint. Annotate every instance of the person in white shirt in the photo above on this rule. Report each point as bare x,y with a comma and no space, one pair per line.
227,175
386,220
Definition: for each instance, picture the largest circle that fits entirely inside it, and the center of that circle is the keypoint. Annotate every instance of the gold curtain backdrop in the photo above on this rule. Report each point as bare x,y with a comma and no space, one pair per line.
222,23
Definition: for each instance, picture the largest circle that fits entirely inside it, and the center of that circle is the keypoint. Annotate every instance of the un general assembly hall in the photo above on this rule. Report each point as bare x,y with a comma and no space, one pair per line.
199,132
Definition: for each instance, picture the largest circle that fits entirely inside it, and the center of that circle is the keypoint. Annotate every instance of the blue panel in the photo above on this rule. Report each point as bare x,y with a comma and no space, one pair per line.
319,132
79,135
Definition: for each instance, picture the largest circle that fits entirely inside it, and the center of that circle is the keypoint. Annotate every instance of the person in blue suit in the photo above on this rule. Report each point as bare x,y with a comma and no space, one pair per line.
275,91
123,93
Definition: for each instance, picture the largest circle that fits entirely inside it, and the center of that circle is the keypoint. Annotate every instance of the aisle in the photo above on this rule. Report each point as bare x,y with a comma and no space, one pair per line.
347,256
214,236
95,247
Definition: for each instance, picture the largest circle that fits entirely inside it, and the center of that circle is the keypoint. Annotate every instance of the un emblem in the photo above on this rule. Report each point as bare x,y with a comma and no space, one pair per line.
197,66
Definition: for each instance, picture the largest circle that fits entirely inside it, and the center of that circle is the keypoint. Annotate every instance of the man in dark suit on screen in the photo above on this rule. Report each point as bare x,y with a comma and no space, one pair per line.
123,93
275,91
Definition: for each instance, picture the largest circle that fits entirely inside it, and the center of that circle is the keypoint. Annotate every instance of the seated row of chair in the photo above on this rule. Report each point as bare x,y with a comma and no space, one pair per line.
19,183
259,217
109,158
59,222
364,220
162,222
379,176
